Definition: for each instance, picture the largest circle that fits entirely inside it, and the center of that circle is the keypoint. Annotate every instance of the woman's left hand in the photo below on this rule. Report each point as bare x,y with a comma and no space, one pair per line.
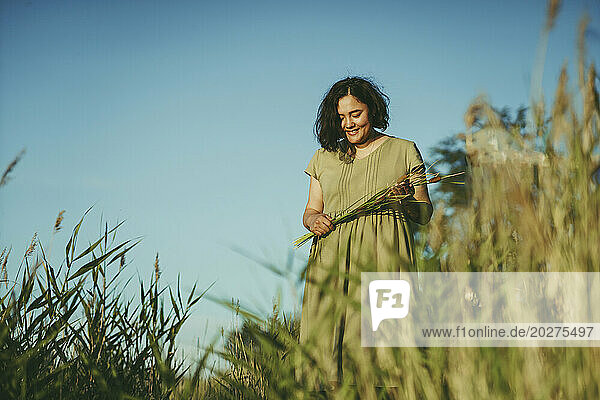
417,205
404,188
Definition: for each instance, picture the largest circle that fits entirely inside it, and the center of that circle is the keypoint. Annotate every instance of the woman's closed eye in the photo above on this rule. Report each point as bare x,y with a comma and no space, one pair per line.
352,115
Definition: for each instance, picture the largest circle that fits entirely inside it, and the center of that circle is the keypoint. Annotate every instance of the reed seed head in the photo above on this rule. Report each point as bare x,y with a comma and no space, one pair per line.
4,260
5,176
156,268
473,113
561,99
32,245
552,13
59,220
581,49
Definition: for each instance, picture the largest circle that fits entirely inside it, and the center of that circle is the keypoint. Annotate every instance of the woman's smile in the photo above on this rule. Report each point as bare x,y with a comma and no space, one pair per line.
354,119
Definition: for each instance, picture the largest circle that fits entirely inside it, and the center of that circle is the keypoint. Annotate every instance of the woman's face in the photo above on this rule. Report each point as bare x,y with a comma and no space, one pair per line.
354,117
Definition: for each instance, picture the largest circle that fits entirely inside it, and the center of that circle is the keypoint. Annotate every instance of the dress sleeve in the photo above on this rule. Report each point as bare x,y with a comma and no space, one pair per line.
414,161
313,166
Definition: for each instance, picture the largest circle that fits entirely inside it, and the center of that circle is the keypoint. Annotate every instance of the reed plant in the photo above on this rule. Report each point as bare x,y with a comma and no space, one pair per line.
69,332
532,204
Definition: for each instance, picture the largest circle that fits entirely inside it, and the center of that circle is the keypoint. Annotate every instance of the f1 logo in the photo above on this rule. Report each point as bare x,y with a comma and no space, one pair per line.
389,299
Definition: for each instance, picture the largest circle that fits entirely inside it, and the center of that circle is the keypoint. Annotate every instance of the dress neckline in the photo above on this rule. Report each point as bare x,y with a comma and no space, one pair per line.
374,150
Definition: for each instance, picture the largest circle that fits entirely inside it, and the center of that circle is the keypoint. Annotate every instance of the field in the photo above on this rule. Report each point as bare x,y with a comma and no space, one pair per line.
531,203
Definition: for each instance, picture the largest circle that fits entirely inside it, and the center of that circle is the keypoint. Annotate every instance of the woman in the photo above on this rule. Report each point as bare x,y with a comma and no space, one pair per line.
356,160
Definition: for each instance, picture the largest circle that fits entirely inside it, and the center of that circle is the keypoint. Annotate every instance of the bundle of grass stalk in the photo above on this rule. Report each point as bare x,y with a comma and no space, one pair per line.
385,197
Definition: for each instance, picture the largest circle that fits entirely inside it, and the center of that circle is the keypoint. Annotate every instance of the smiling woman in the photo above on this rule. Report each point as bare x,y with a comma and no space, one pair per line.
355,161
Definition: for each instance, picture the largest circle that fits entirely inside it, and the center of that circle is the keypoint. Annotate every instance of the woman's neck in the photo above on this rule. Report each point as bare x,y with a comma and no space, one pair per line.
373,135
374,143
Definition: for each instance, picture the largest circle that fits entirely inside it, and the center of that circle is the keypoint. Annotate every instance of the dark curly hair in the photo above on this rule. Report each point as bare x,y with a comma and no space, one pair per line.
328,129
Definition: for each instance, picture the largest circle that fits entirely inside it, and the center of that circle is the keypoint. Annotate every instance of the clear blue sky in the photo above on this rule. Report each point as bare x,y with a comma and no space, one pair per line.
193,120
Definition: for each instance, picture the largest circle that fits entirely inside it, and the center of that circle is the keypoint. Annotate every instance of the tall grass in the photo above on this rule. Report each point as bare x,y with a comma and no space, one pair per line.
69,333
532,204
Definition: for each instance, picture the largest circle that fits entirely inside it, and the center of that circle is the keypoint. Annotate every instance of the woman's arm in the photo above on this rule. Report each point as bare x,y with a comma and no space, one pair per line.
419,208
313,219
418,205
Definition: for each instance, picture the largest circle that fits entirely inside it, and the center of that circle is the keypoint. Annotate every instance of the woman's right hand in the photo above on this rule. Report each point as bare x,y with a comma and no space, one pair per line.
320,224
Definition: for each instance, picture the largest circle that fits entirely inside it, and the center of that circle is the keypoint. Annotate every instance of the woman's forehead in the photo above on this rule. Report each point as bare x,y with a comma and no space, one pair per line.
349,103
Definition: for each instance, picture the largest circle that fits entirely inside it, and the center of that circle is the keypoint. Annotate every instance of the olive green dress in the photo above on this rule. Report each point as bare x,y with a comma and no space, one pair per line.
382,242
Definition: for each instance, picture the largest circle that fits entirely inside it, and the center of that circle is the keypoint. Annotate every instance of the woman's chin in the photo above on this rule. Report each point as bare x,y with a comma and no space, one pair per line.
353,139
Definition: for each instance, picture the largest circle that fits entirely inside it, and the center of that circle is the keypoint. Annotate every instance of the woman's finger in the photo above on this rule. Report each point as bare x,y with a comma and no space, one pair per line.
323,232
323,220
322,225
317,226
326,222
321,229
398,189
